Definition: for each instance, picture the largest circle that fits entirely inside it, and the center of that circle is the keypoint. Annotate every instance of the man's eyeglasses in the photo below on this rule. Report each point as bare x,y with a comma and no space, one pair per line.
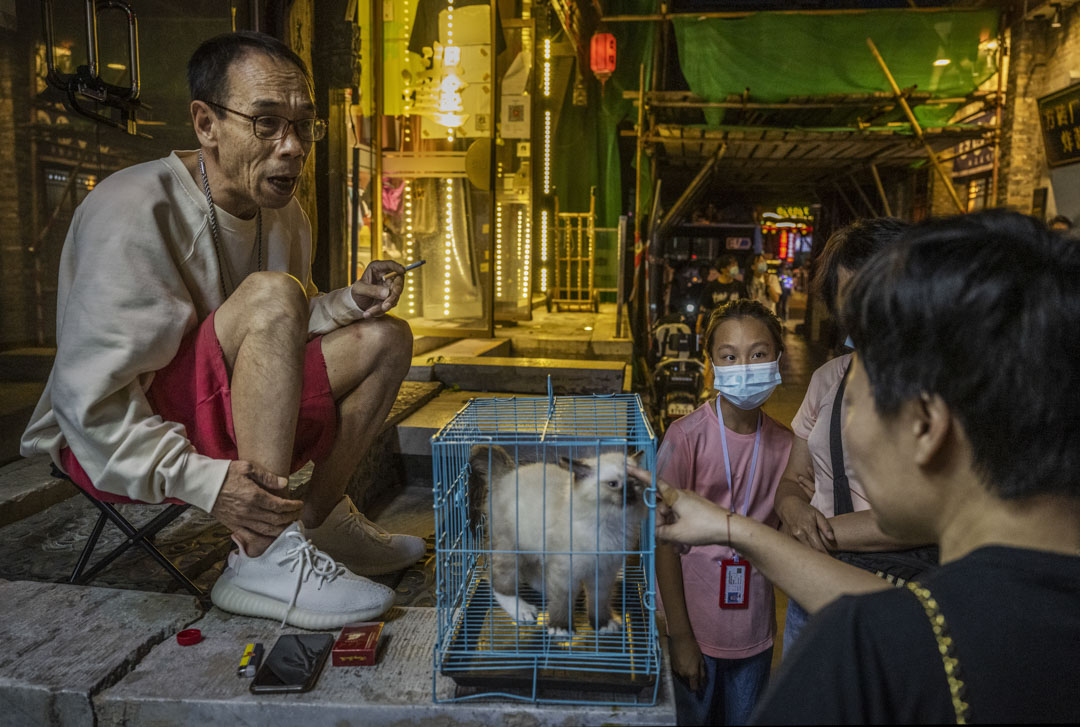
271,128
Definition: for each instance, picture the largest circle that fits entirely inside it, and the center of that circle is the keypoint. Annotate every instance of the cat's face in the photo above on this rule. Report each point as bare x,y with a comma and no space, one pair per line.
610,470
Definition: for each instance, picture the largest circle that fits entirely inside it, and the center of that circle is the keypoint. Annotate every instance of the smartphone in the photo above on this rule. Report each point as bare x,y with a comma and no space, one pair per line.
294,663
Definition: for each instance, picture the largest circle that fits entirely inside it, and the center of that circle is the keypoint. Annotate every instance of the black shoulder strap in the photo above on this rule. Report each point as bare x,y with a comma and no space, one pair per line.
841,490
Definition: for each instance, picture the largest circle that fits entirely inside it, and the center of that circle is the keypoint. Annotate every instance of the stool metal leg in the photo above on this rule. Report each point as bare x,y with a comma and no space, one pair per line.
141,537
137,537
88,549
134,536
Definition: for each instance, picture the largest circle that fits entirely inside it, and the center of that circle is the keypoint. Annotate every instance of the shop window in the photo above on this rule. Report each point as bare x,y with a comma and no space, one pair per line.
978,189
428,194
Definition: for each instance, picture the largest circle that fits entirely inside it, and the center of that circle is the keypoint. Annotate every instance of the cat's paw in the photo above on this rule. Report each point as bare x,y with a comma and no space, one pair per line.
516,608
612,626
558,632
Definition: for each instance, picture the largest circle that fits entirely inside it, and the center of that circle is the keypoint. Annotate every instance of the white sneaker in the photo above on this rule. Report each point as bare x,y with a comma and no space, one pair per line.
296,582
362,545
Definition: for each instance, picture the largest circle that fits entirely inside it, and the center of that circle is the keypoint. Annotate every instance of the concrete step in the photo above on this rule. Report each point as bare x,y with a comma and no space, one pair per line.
570,335
422,363
17,402
528,343
198,685
63,644
423,344
382,472
27,487
473,347
528,375
415,431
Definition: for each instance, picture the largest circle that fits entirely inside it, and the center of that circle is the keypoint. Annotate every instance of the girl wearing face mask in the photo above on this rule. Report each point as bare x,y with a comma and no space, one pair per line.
721,618
761,285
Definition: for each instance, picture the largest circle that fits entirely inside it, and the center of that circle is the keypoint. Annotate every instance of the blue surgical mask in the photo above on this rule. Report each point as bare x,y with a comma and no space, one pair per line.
749,385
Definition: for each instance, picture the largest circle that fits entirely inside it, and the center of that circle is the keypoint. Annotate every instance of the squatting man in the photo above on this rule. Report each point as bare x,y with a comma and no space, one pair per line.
197,362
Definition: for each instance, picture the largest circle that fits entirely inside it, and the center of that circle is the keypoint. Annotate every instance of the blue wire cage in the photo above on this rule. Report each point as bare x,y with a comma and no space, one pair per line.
487,651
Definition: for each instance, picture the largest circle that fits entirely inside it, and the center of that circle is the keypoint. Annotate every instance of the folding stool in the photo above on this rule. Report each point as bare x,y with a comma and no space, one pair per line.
142,537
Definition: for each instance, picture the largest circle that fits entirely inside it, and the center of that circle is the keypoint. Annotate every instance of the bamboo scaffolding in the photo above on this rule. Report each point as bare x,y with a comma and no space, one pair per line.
1002,73
865,199
872,133
733,14
917,129
880,189
637,153
635,290
681,99
847,201
684,199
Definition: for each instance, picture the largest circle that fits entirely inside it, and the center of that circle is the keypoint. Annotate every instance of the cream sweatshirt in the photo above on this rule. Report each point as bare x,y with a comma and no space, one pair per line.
138,271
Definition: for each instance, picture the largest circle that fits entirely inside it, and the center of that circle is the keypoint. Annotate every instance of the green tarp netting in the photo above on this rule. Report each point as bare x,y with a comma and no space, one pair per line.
779,56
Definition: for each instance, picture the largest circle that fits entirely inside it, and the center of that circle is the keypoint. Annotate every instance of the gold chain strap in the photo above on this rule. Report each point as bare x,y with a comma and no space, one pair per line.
945,648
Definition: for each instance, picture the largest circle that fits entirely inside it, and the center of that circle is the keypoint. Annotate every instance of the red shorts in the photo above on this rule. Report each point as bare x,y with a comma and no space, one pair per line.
193,390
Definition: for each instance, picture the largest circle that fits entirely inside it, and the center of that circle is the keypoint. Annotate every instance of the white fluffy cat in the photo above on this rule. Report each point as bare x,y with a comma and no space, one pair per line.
568,525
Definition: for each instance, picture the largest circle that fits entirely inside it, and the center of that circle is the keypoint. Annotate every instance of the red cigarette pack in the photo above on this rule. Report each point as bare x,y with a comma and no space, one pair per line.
357,645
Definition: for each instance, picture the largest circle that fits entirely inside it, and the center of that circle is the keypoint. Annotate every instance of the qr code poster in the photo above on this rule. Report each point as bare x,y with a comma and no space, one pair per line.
515,117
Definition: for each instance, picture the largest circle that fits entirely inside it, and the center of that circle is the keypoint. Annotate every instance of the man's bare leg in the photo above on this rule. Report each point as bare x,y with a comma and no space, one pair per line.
262,329
365,362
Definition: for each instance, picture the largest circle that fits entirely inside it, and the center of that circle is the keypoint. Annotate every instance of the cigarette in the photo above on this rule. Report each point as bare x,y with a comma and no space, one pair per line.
393,274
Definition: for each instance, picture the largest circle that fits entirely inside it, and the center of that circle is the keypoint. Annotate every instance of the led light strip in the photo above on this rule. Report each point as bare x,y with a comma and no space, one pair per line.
407,78
526,291
410,249
547,67
406,139
498,267
523,262
543,249
547,152
547,169
498,250
449,42
448,244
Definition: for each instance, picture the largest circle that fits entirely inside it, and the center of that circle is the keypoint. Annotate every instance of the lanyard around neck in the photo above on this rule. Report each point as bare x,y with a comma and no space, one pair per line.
727,459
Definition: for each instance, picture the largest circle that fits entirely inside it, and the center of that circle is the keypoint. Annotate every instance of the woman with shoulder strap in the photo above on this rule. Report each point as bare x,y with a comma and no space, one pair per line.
819,501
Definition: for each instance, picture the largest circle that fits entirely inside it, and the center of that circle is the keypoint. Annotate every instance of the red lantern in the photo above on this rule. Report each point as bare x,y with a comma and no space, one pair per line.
602,56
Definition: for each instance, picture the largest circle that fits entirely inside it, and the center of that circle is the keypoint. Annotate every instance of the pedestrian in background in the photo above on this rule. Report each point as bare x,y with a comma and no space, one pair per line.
1061,223
761,285
723,286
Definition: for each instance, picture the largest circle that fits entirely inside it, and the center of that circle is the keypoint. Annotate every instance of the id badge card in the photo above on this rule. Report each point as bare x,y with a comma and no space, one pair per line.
735,583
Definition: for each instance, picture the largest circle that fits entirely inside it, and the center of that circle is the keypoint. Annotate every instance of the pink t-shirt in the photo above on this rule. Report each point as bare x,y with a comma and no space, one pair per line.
692,458
812,423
